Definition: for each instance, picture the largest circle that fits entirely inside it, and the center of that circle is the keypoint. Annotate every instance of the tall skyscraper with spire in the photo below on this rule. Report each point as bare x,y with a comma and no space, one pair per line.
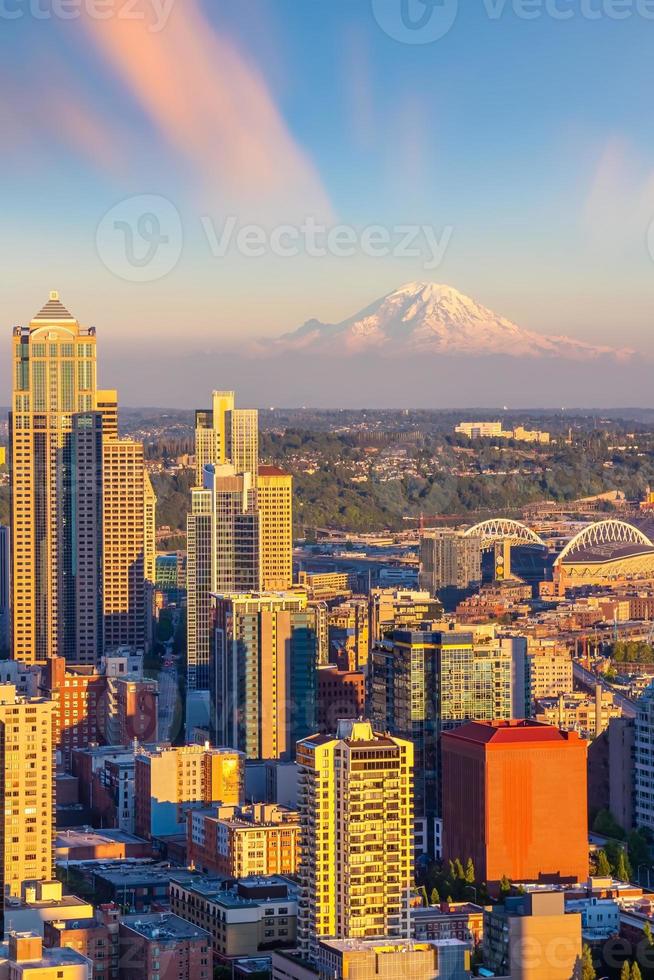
78,556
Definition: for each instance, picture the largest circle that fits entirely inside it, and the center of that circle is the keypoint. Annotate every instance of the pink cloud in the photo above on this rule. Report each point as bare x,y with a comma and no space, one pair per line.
211,106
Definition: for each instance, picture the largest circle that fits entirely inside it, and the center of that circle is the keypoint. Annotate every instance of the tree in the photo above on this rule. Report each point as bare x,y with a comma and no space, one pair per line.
458,870
587,966
435,897
603,865
635,972
470,872
607,825
505,886
423,894
625,972
621,870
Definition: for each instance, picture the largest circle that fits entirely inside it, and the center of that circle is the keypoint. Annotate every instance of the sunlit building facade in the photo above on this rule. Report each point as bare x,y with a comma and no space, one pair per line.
356,807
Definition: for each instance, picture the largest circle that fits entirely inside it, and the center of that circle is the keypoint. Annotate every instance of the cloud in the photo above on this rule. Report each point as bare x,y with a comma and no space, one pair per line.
212,107
619,205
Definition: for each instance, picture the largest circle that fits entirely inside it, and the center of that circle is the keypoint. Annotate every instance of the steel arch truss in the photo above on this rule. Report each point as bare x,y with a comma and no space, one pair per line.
602,533
504,529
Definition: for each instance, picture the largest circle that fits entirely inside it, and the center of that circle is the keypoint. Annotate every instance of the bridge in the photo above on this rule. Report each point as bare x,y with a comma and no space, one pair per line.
504,529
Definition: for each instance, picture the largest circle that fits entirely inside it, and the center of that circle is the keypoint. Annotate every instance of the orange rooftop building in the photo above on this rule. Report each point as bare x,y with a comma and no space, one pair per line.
514,800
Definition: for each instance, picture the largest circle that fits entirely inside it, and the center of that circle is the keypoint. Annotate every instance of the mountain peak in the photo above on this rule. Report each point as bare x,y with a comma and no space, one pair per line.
422,318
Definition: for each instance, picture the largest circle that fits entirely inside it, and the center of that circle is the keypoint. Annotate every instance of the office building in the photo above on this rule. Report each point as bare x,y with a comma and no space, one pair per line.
275,503
225,434
356,807
326,585
424,683
223,555
5,590
42,902
392,609
449,560
54,371
263,673
77,529
532,937
163,945
170,780
514,800
247,917
238,842
27,774
85,644
124,544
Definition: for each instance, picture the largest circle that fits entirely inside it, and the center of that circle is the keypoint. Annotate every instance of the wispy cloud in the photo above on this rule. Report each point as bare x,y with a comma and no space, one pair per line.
619,205
212,107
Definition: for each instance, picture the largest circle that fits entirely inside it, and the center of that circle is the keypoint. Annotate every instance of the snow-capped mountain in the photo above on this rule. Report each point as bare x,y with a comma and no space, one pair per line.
429,318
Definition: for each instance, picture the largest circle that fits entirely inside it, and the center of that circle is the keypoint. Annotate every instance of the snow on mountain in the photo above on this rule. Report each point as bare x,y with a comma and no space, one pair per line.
429,318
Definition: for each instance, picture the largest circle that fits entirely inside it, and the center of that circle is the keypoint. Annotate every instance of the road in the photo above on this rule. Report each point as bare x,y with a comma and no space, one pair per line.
588,680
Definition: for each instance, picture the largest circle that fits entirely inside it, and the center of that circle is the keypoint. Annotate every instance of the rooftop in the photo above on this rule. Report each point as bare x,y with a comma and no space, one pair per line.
164,927
516,731
54,310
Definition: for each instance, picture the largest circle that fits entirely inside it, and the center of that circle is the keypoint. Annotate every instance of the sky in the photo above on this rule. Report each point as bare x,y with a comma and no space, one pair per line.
165,163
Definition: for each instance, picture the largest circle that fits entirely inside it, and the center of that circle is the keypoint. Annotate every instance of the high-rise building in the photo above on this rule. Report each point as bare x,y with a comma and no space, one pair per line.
425,683
124,544
225,434
27,776
449,560
5,588
644,760
54,378
263,673
85,643
514,800
223,555
240,529
73,540
356,806
275,503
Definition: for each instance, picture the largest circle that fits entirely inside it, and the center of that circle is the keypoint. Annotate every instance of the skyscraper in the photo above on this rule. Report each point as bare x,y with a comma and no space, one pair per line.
54,378
223,555
263,673
124,544
275,503
5,588
27,775
77,529
356,806
424,683
239,531
449,560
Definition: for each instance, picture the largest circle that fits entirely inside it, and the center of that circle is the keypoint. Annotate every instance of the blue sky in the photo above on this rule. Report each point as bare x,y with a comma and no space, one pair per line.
531,139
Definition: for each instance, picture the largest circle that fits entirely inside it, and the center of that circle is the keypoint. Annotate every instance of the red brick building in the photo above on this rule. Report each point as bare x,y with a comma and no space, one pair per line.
164,946
339,694
514,800
95,938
